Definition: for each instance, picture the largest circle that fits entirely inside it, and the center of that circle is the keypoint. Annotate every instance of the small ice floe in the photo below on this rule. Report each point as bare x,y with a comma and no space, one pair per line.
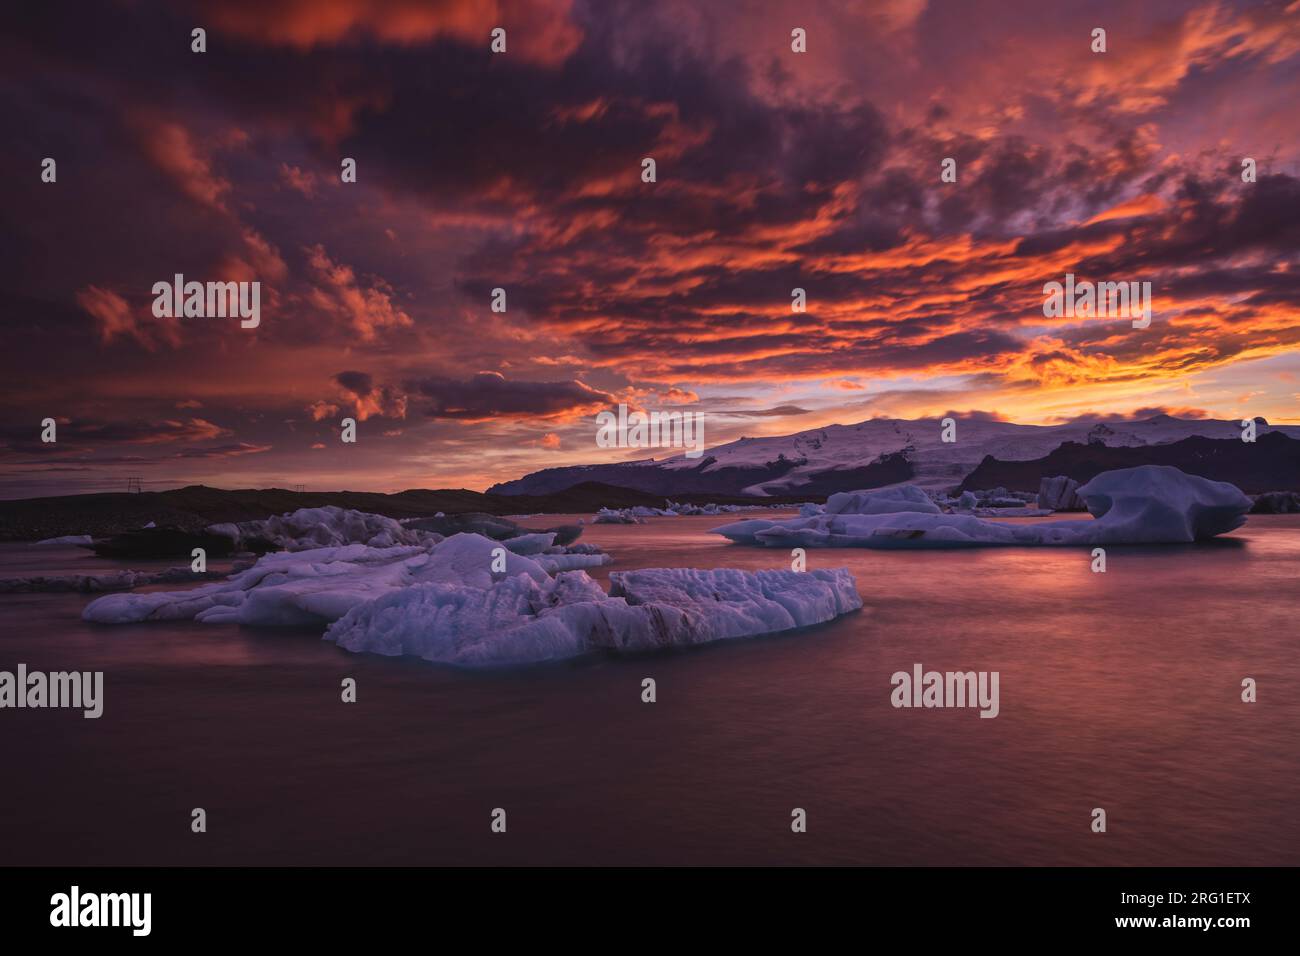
443,602
1276,503
1150,504
74,539
616,516
490,526
1013,512
994,501
881,501
309,528
1060,493
709,508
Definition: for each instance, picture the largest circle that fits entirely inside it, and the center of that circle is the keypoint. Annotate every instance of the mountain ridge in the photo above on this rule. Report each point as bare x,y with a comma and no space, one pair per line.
873,453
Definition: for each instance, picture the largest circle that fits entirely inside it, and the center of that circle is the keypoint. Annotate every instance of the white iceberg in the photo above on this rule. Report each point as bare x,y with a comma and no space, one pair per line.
1059,494
1151,504
569,561
442,602
317,586
710,508
616,516
878,501
327,527
530,543
519,621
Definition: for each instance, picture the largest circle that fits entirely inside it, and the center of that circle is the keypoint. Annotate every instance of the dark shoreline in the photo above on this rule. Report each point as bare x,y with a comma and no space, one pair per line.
195,507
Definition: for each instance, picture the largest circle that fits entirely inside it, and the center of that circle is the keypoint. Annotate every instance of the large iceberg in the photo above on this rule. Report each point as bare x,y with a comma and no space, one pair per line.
443,602
1150,504
522,621
317,586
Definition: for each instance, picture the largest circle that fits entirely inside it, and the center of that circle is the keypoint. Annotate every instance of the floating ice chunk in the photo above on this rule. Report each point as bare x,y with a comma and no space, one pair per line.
1150,504
317,586
330,526
878,501
290,588
555,563
79,539
1156,503
515,621
442,602
746,531
530,543
1059,494
519,621
611,516
731,603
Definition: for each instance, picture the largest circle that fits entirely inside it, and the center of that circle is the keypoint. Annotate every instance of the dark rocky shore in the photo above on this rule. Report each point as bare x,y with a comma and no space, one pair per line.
195,507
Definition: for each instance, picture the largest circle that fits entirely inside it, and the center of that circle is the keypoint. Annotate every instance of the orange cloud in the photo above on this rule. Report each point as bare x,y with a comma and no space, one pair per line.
336,291
537,30
114,318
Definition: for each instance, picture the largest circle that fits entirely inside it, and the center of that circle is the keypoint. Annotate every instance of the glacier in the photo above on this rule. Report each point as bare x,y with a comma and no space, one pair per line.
1150,504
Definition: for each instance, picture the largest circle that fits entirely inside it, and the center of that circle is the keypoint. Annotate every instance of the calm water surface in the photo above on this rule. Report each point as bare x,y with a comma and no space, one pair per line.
1118,690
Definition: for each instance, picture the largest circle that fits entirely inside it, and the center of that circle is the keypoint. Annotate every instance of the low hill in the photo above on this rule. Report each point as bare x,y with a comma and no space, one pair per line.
1270,463
194,507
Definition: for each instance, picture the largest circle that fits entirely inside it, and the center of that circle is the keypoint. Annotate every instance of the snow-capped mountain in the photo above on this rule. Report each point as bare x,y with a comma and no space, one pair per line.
874,453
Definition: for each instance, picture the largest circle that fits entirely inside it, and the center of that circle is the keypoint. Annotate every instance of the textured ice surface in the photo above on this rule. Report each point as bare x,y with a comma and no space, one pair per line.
317,586
616,516
881,501
530,543
331,526
1059,493
1151,504
522,621
555,563
442,602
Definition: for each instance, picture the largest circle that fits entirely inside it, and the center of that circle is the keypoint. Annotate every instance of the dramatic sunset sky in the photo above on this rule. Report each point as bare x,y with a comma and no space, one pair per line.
522,170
